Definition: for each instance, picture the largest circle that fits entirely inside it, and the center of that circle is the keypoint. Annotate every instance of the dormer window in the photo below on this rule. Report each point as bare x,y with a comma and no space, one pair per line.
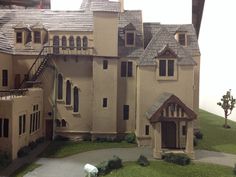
19,37
130,38
37,37
182,39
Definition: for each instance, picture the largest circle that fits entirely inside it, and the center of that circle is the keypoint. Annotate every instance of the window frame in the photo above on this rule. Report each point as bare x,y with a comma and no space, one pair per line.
64,42
105,64
37,39
20,38
126,69
105,103
182,39
147,130
127,44
5,78
85,43
167,69
71,43
125,112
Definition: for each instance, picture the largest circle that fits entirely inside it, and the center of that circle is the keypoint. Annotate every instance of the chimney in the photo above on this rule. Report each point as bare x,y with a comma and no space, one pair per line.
121,5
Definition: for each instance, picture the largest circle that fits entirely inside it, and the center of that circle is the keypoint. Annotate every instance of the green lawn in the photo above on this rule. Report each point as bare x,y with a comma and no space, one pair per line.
216,138
164,169
59,149
25,169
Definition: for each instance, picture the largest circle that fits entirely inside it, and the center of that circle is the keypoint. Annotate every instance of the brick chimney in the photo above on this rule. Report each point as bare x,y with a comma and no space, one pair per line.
121,5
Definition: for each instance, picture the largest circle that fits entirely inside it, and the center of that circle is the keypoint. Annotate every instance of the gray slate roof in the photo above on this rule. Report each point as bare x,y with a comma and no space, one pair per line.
158,36
125,20
100,5
158,103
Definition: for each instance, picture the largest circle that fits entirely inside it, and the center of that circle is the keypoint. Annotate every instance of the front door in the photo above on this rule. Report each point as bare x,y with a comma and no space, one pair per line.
168,132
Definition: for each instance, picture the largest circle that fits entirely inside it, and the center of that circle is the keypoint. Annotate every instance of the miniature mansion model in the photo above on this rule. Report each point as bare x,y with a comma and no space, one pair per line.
97,72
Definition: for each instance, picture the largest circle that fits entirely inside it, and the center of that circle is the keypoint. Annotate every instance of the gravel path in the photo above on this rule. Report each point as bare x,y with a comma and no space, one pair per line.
73,166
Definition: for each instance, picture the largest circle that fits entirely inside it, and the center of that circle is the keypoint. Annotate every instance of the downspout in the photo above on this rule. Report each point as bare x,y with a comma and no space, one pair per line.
54,103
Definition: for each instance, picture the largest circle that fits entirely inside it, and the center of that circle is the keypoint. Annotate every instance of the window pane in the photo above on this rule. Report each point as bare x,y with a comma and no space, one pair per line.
78,43
20,125
76,99
33,122
126,112
24,123
72,43
123,69
1,122
64,43
162,67
182,39
68,93
6,128
56,44
147,130
19,37
105,64
36,121
39,120
37,37
5,77
130,38
130,69
60,86
104,103
85,42
31,117
170,67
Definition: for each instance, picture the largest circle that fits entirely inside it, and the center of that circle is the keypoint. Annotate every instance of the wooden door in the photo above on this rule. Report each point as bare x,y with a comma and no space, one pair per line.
49,129
168,130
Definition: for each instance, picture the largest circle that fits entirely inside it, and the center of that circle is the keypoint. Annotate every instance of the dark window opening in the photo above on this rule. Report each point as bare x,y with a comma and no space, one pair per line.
162,67
23,131
56,44
147,130
64,42
71,43
20,125
126,112
85,42
76,99
68,93
123,69
1,123
130,38
31,121
105,64
34,122
39,120
130,69
104,103
6,128
182,39
58,122
170,67
4,78
19,37
184,130
37,37
63,123
60,87
78,43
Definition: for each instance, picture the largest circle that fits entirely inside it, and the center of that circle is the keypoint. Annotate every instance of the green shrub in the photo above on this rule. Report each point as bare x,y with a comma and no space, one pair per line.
32,145
180,159
23,151
4,159
107,166
198,135
143,161
130,138
234,169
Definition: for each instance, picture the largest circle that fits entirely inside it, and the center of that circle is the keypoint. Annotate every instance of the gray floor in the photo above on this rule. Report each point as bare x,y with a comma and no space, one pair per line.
73,166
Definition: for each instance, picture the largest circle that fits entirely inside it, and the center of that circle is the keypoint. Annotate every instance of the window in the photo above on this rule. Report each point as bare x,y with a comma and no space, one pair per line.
78,43
126,112
31,123
22,124
19,38
37,37
63,123
126,69
58,122
71,43
105,64
104,102
4,127
4,78
85,42
76,99
64,42
184,130
166,68
182,39
56,44
147,130
130,39
68,92
60,87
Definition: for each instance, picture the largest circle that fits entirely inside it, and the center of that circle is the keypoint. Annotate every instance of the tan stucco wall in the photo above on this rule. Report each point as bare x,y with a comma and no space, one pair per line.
15,107
106,33
149,88
6,63
104,86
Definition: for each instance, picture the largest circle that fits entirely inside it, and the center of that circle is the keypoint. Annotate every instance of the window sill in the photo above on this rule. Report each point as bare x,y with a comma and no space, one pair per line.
76,114
69,107
61,101
167,78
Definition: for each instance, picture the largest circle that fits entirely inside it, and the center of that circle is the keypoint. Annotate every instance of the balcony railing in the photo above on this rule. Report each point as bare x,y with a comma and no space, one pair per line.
63,50
10,94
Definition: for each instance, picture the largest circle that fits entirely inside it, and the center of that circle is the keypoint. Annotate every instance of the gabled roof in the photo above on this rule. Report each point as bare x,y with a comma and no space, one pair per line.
154,113
130,26
100,5
162,38
166,52
38,25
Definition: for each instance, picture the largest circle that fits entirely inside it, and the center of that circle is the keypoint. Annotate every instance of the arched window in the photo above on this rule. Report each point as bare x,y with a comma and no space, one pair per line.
76,99
63,123
64,42
78,43
68,92
58,122
60,87
71,43
56,44
85,42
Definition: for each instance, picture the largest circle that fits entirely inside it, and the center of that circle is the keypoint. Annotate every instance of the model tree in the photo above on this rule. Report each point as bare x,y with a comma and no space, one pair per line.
227,104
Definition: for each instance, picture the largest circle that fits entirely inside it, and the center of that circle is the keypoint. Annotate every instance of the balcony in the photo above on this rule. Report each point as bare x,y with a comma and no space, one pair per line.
11,94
